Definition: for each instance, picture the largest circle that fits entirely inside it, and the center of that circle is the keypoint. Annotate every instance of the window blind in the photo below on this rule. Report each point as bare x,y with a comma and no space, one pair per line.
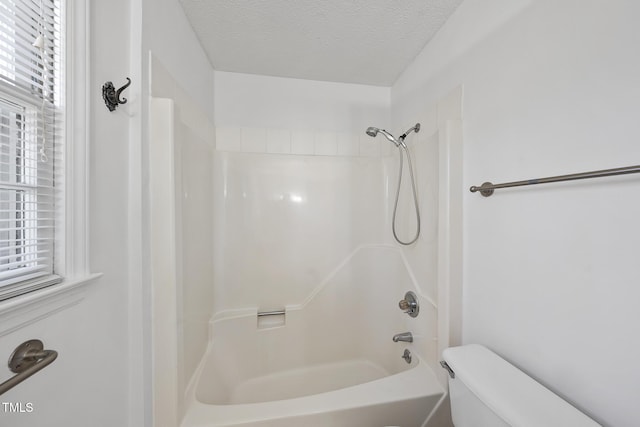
30,142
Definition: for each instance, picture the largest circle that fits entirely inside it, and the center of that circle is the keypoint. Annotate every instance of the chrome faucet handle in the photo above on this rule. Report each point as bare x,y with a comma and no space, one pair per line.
409,304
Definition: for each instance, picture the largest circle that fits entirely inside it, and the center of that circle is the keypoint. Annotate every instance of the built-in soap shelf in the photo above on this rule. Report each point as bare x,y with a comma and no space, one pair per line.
271,319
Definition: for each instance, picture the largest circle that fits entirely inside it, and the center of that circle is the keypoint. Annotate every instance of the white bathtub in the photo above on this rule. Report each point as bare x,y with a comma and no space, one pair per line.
327,363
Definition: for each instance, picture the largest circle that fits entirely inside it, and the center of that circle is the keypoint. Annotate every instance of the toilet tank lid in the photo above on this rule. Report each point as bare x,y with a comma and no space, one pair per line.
511,394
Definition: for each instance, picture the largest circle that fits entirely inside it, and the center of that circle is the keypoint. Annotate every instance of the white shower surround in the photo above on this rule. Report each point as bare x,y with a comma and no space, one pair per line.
285,223
181,162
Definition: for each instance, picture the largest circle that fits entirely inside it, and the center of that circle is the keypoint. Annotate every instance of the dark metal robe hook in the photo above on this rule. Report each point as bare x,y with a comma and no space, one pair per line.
111,96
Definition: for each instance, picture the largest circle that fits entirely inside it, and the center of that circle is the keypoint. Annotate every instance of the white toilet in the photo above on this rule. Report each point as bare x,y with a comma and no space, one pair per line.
487,391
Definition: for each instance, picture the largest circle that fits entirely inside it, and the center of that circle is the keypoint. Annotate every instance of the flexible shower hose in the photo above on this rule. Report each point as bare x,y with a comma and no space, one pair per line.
415,198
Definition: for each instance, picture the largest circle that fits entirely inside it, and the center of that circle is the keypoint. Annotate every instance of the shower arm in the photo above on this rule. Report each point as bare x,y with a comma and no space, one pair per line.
415,129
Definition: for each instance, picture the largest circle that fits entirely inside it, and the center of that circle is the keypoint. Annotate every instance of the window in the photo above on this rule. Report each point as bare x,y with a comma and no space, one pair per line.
30,143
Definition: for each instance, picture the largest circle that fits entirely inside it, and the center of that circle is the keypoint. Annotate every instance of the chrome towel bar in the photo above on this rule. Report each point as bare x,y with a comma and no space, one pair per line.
27,359
487,188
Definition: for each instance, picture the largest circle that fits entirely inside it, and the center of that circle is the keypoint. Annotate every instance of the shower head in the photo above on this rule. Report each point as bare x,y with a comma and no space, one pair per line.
373,132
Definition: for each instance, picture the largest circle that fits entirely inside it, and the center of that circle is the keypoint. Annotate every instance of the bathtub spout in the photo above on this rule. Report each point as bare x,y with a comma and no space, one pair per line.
405,337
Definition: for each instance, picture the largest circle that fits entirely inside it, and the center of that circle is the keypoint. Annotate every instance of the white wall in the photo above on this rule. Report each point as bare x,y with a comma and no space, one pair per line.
550,272
88,383
98,378
167,33
283,103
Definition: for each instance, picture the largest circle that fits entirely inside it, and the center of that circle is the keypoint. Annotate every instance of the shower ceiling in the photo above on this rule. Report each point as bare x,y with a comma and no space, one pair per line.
352,41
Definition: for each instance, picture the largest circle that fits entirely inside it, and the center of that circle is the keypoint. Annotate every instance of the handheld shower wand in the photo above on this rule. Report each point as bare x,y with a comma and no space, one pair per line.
373,132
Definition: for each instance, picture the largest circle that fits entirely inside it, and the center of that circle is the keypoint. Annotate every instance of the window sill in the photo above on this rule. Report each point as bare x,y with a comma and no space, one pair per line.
24,310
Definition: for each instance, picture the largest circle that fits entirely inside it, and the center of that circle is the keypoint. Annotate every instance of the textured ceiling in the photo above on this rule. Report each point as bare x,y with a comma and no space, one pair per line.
351,41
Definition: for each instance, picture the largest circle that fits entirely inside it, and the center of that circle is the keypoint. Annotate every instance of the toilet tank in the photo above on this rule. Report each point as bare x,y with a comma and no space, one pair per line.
487,391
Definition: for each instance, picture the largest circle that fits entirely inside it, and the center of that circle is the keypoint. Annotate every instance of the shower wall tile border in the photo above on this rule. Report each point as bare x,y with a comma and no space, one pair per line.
299,142
229,139
367,149
347,144
326,144
278,141
302,142
254,140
